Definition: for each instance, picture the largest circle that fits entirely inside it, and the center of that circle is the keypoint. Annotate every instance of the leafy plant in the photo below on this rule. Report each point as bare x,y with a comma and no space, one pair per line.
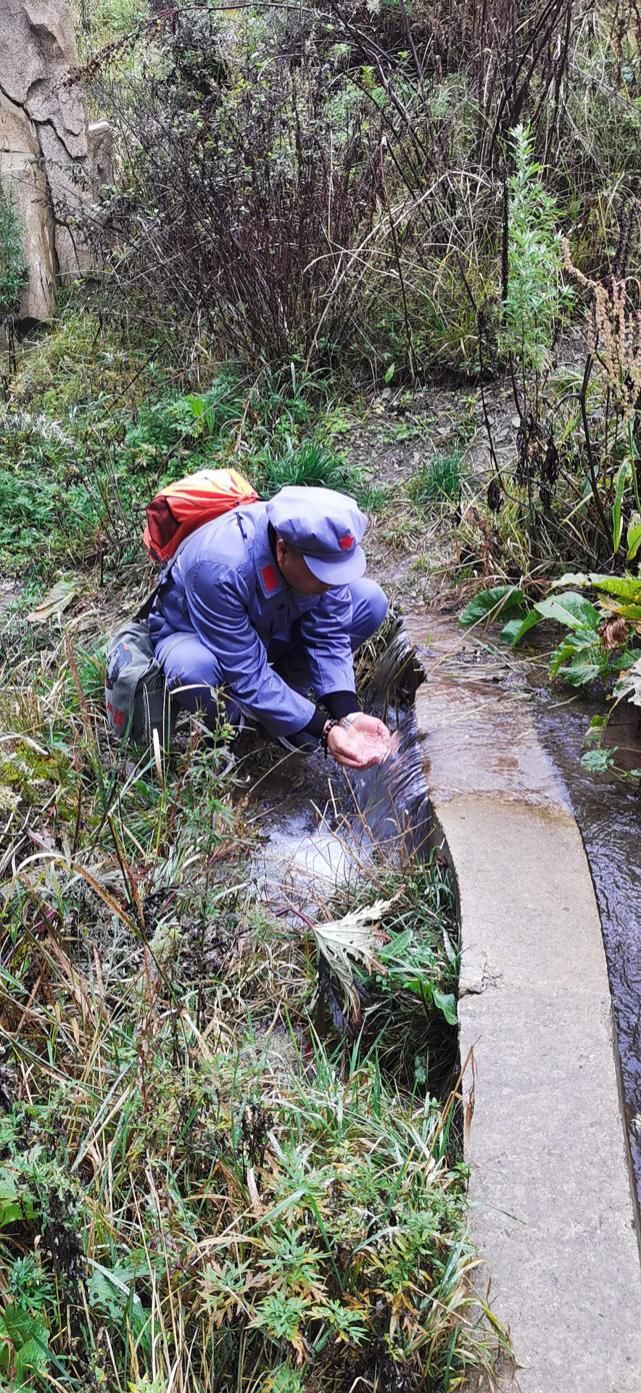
597,644
24,1345
535,297
194,425
534,301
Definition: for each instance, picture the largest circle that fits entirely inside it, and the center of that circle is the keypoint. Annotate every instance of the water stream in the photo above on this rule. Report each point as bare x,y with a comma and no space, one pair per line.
320,827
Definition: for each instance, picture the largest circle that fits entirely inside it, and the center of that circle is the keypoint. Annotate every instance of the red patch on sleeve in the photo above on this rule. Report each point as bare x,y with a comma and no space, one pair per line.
270,578
347,542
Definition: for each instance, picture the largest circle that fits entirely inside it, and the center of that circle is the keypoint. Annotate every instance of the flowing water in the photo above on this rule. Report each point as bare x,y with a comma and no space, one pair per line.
320,827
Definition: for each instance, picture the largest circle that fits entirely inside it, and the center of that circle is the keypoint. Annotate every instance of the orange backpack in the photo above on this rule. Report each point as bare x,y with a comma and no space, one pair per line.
182,507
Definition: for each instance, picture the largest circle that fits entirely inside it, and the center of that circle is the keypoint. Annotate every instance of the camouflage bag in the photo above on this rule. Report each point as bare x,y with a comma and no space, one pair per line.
136,695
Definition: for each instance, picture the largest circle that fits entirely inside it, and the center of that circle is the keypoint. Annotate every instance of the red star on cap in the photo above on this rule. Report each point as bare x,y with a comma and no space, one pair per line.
346,542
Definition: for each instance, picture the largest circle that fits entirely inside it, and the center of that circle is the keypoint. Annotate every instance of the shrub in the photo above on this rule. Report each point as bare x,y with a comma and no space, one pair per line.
329,182
245,195
13,271
273,191
535,297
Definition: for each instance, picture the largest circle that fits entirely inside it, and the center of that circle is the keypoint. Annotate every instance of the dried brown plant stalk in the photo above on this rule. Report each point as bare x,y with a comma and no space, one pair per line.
613,333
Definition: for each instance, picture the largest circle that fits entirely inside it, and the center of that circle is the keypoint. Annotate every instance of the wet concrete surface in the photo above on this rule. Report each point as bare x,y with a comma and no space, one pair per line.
608,813
490,688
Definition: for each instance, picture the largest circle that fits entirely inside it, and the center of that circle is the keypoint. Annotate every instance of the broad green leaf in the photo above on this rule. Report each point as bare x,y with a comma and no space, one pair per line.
623,587
516,629
594,732
501,601
109,1288
10,1212
627,658
445,1002
631,612
597,761
8,1187
570,609
28,1333
623,479
32,1355
580,672
10,1207
568,649
634,536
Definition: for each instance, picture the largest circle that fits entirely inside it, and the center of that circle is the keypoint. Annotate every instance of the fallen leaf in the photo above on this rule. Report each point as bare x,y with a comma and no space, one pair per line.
55,601
354,938
629,684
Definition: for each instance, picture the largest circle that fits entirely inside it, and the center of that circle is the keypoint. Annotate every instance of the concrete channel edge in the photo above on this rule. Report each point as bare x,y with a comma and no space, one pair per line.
552,1208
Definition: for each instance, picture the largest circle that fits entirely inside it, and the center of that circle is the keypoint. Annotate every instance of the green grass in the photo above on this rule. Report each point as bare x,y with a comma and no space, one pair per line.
91,431
437,481
310,464
193,1185
281,1221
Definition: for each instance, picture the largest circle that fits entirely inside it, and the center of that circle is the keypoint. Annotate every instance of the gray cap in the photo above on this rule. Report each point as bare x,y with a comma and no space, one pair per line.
326,526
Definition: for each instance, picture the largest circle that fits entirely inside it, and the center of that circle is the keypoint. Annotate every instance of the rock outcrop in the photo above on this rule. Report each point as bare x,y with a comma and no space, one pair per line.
43,143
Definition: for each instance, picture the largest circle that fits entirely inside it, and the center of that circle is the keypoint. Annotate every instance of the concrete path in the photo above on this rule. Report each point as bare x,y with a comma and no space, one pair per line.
552,1208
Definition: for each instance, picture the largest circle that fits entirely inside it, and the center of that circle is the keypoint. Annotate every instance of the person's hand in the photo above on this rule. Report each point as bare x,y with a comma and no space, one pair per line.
371,727
364,742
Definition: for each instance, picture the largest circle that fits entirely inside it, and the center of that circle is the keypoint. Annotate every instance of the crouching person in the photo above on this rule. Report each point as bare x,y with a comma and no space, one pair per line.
268,603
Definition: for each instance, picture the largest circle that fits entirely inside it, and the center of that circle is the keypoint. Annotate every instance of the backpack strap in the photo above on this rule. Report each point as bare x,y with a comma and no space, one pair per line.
144,610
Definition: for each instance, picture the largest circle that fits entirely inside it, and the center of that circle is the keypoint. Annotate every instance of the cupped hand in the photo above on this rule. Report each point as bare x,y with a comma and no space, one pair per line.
364,742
